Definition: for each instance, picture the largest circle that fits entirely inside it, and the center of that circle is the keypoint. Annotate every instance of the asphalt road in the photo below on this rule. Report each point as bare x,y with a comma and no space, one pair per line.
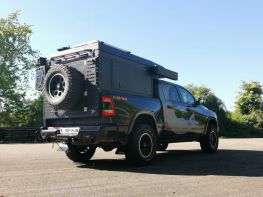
39,170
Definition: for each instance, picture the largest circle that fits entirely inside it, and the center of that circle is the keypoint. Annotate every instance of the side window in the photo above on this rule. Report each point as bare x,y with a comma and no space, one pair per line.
170,92
186,96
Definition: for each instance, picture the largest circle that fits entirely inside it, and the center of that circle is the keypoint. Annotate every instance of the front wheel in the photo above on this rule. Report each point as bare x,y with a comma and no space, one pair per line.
142,145
80,153
209,142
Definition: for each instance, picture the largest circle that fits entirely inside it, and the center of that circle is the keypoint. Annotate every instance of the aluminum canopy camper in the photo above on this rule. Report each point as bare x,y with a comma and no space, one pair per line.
115,68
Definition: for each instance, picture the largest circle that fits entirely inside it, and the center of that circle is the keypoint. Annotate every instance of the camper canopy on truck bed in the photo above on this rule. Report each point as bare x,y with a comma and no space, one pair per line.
116,68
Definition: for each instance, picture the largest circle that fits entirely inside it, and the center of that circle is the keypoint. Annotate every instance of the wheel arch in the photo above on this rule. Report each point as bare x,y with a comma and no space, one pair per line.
212,121
144,118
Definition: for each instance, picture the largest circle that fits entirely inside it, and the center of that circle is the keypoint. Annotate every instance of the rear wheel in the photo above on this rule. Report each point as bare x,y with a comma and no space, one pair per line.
142,145
80,153
209,142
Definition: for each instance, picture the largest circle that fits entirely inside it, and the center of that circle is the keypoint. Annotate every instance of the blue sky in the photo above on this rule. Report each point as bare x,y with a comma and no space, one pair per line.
216,43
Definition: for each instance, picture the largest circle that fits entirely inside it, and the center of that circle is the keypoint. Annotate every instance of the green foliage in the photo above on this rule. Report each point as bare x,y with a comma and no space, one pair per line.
17,62
249,104
211,100
239,129
30,116
250,97
247,120
255,118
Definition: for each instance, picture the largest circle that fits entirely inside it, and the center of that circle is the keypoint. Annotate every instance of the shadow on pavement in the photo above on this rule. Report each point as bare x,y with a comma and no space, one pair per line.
193,163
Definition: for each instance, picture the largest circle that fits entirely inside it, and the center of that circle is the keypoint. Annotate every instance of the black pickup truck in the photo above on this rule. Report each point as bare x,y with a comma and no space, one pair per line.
98,95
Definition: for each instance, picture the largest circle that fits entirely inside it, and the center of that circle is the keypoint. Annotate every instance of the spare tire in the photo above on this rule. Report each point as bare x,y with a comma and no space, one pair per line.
63,86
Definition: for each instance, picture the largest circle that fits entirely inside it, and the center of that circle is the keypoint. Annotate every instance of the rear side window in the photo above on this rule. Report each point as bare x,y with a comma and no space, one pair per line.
186,96
170,92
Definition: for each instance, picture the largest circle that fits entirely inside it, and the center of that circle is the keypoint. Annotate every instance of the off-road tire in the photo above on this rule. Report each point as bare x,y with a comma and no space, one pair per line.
73,86
162,146
142,145
209,142
80,153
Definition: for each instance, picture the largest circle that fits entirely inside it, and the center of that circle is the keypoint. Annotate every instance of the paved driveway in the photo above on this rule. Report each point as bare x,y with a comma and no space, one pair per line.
39,170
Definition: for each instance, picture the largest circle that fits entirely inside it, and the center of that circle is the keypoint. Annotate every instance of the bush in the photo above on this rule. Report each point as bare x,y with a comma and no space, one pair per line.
241,130
30,116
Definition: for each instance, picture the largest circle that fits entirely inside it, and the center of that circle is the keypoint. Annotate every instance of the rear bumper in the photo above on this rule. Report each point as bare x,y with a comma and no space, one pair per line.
87,135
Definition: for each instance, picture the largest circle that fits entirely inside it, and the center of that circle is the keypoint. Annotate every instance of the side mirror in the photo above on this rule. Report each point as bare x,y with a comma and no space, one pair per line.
201,101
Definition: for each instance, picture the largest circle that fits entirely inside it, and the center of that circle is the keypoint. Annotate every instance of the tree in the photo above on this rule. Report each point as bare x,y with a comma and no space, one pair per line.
249,104
17,61
211,100
32,115
250,97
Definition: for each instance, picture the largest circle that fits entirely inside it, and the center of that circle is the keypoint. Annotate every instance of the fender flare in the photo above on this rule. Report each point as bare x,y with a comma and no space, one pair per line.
146,114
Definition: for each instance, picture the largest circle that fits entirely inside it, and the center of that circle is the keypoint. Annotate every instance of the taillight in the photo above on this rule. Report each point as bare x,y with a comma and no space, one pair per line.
107,106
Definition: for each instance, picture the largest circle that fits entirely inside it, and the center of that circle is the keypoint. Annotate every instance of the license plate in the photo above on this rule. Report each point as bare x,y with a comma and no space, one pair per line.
72,131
